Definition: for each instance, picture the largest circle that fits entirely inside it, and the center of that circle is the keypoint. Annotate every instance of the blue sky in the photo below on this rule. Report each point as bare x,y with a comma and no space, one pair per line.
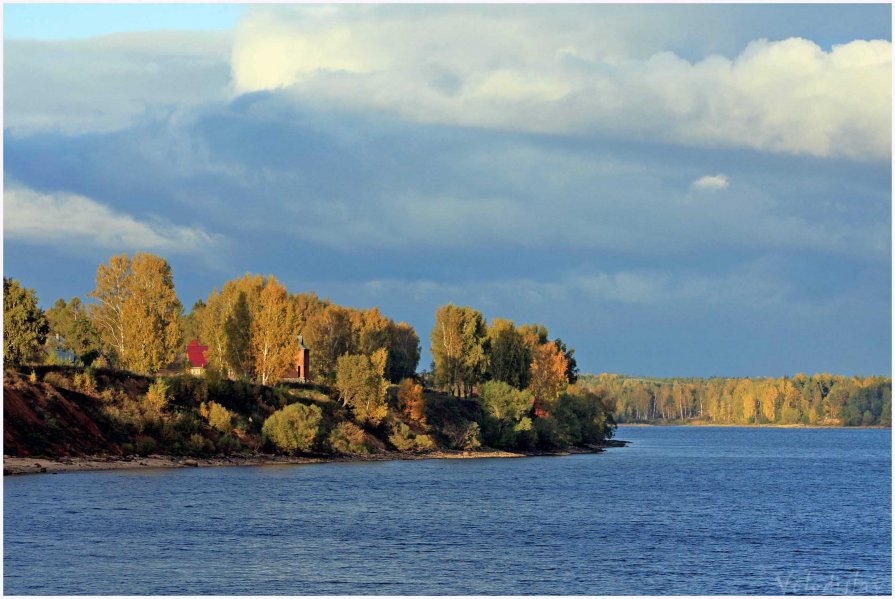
674,190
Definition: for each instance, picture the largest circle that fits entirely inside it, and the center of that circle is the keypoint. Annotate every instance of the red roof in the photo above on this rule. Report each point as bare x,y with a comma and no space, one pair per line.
195,353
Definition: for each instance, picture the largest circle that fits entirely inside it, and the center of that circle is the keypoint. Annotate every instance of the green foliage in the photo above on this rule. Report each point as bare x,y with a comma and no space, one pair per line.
459,346
505,407
219,417
348,438
362,387
509,355
199,446
404,439
238,337
228,445
145,446
293,428
24,323
72,330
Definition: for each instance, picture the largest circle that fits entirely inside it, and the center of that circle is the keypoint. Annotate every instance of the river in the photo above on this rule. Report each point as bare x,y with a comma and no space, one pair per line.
682,510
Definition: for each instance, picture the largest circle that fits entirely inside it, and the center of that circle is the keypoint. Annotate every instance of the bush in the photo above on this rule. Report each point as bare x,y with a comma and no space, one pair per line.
228,444
57,379
404,439
156,398
145,446
32,378
348,438
127,448
199,446
219,417
293,428
410,400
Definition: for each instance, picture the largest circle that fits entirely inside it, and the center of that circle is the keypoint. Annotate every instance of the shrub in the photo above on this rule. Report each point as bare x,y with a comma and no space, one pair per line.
220,417
145,446
348,438
127,448
228,444
404,439
156,397
100,362
410,400
293,428
32,378
57,379
199,445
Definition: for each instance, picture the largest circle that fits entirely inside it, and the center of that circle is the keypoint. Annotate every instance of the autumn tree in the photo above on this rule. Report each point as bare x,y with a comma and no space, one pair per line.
548,374
509,354
410,400
273,336
136,311
107,313
328,334
459,348
151,313
362,386
571,363
24,323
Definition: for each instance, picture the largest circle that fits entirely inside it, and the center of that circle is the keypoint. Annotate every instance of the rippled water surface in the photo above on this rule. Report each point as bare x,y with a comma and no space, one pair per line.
681,510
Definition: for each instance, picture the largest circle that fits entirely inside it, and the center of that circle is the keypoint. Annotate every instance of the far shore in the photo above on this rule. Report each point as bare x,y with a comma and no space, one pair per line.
683,424
36,465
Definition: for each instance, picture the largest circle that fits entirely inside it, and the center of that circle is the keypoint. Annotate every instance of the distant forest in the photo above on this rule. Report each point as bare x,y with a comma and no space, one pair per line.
820,399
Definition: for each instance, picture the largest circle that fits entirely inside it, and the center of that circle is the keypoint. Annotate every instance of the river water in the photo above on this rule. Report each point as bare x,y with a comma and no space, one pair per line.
682,510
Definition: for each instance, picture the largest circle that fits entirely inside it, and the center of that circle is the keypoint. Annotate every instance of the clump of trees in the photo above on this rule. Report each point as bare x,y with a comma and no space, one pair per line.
524,381
819,399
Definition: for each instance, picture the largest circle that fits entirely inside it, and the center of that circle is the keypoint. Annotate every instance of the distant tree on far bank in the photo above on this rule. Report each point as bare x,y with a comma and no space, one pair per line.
820,399
24,323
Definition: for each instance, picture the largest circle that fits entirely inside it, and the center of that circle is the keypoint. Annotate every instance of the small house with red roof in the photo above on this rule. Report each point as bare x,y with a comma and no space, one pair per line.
195,355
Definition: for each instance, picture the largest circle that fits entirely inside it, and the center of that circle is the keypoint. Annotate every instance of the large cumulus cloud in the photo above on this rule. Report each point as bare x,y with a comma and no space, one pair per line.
563,72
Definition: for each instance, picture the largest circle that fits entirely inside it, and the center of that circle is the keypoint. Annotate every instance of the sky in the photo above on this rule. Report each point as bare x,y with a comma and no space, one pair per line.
673,190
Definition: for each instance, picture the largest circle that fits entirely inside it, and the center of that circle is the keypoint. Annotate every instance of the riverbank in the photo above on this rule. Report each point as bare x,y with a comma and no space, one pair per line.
727,424
28,465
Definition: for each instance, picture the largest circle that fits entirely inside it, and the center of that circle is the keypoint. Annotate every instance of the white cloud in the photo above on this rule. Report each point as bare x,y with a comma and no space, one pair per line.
108,83
63,219
528,70
712,182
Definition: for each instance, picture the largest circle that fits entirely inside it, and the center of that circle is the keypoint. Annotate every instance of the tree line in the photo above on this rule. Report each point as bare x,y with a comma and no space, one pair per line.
134,321
820,399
